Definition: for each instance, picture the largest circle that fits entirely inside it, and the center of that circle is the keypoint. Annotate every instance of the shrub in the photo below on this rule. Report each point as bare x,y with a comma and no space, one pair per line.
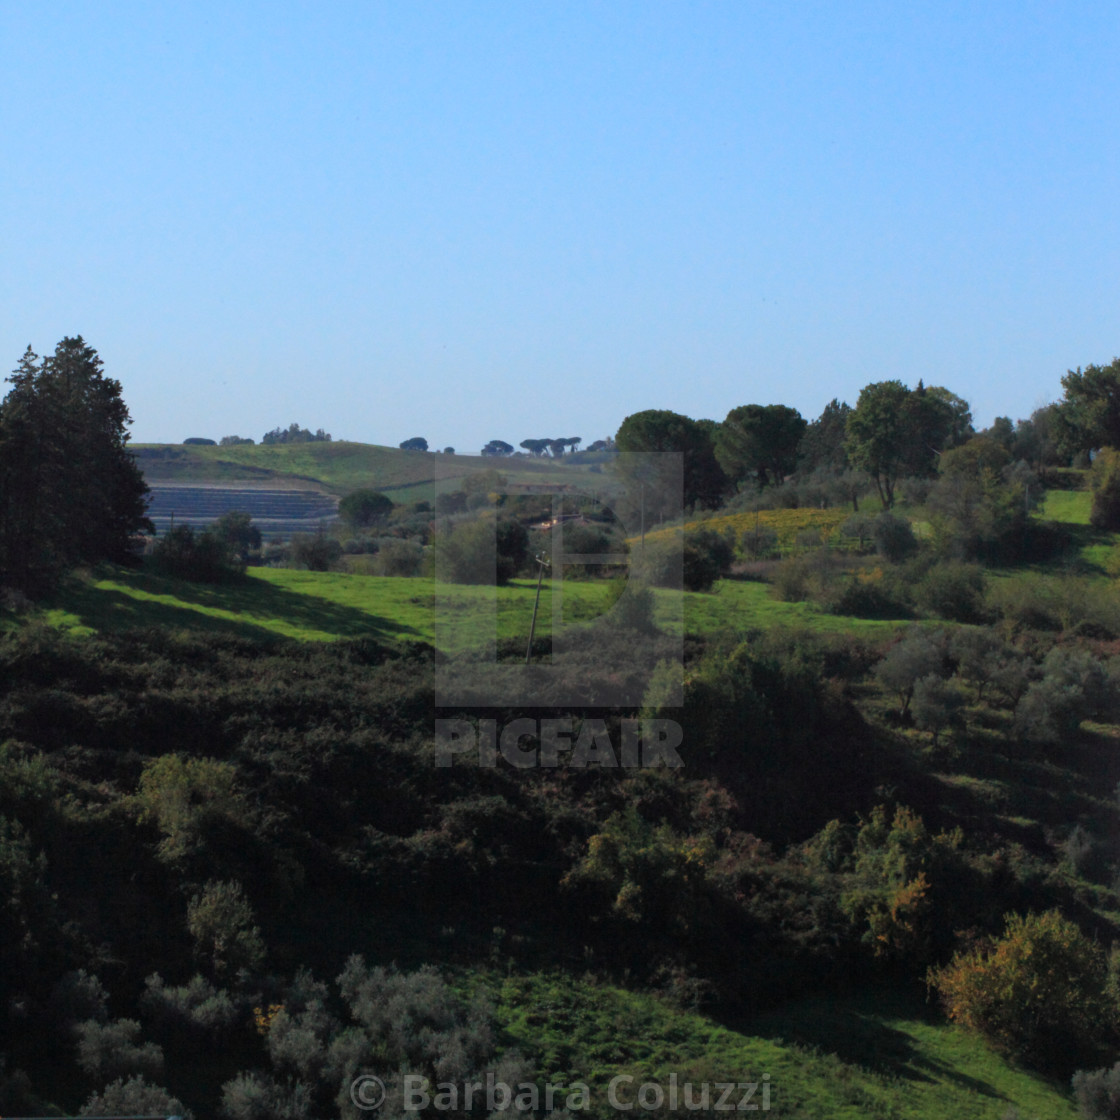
253,1096
861,526
953,591
903,882
894,539
1097,1093
204,557
399,558
870,595
633,609
979,653
362,508
134,1097
794,580
1058,602
918,655
315,551
708,555
76,997
220,920
468,553
759,543
451,502
937,705
1037,993
196,1007
111,1049
1075,686
660,563
182,795
238,533
1105,481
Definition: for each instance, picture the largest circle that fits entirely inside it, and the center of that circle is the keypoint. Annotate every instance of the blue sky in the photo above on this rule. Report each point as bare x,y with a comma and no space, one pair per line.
507,220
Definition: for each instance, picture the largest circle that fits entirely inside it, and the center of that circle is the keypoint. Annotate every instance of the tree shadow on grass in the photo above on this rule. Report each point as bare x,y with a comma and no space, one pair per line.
255,603
858,1032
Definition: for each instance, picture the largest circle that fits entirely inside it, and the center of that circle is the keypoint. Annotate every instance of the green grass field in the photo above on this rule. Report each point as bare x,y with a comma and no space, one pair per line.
324,606
881,1054
1068,506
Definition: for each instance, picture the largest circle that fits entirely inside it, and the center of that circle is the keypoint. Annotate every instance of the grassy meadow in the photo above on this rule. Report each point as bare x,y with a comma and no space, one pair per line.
326,606
880,1054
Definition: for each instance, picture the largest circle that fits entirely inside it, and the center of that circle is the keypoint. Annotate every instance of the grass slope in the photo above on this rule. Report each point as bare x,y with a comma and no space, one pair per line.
876,1054
324,606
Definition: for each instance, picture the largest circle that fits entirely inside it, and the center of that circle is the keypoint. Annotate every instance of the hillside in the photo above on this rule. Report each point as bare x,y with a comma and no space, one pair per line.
337,467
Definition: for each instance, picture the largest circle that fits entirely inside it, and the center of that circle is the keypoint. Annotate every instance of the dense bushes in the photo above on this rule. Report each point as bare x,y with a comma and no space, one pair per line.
1105,481
205,557
1037,992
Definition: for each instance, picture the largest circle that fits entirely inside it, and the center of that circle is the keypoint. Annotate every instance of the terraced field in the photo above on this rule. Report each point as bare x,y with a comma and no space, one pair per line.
339,467
276,512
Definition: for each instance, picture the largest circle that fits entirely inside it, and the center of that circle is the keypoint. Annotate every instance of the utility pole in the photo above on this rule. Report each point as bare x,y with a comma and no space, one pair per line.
542,563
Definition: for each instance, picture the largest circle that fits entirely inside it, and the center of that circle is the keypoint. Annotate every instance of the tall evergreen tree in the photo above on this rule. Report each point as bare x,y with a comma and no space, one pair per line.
70,492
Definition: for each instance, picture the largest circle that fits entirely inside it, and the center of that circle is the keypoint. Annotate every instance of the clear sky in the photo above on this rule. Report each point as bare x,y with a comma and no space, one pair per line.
477,220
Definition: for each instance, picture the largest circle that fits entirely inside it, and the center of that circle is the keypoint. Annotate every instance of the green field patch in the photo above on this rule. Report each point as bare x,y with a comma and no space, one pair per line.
325,606
1071,507
878,1054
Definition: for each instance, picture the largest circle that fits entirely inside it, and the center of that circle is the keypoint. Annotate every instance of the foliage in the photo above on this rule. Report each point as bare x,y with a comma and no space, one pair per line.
822,445
1036,992
220,920
900,881
644,874
111,1049
415,443
70,492
787,524
183,797
202,557
196,1007
688,475
893,536
1074,686
134,1097
894,431
937,705
759,443
315,551
918,655
293,433
485,550
1105,481
953,591
362,508
981,501
708,555
237,531
1088,416
1097,1093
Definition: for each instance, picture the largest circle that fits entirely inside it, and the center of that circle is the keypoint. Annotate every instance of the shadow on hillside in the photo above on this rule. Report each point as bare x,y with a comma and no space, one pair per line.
855,1031
254,601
